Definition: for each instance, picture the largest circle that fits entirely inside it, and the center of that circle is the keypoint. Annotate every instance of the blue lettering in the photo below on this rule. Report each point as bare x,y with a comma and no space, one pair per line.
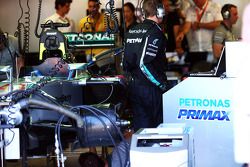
225,116
197,114
182,112
203,114
191,113
216,115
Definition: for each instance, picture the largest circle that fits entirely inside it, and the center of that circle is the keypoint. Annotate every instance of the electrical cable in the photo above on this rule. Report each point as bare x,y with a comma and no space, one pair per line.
94,110
45,97
59,132
110,94
107,68
100,119
110,13
12,138
38,19
123,18
11,119
58,136
17,95
41,83
116,51
30,101
19,24
57,151
103,123
27,30
119,132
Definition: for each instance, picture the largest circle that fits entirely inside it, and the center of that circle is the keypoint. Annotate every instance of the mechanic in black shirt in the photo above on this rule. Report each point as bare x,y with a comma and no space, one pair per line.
144,59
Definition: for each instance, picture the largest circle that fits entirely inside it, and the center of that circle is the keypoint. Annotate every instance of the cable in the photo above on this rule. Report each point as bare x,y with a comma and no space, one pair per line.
102,122
27,30
110,14
13,136
10,118
19,24
57,151
119,132
58,137
38,19
17,95
46,97
110,94
41,83
29,101
98,58
123,18
94,111
58,132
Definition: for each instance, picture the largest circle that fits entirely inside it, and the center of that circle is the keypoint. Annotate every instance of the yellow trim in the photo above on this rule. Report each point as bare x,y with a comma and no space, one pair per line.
62,48
42,48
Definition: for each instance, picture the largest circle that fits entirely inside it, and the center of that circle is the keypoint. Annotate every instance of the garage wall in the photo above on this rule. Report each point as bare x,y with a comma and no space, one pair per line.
10,13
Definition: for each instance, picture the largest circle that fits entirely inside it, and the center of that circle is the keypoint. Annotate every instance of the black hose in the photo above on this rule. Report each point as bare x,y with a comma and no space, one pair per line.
26,102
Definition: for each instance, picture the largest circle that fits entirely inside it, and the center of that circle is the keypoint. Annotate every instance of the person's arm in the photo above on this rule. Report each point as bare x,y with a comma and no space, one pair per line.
20,61
80,26
151,49
217,18
19,64
218,41
18,57
184,31
209,26
178,47
72,25
217,48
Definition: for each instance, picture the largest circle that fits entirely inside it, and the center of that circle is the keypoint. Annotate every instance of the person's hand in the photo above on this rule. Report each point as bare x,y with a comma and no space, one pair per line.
179,51
164,87
20,62
180,37
195,26
19,65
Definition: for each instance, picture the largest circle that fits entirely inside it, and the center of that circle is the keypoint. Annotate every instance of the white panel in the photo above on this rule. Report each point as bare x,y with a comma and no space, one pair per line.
237,54
241,96
213,136
12,139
